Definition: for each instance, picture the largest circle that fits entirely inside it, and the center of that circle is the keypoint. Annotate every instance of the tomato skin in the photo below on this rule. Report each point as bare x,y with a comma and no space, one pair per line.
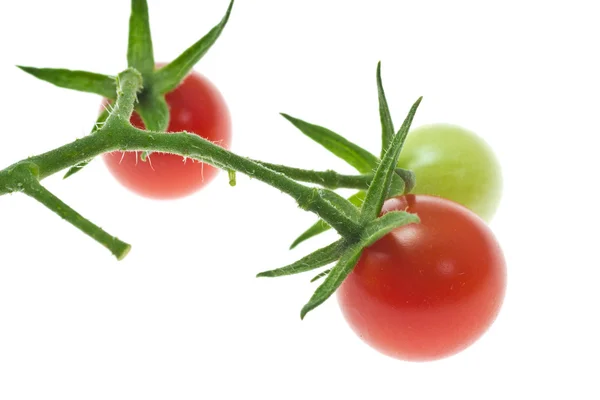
196,106
454,163
429,290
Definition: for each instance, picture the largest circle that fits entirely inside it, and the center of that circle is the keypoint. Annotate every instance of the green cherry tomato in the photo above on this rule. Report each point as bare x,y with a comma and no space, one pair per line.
456,164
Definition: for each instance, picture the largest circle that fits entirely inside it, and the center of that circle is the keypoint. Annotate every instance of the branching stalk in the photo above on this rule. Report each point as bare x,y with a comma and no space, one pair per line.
118,134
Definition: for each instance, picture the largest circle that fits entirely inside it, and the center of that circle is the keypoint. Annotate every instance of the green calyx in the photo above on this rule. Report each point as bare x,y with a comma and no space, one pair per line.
348,251
151,105
402,182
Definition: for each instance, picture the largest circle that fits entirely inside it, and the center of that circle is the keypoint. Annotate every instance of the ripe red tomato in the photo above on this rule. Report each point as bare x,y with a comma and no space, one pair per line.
196,106
426,291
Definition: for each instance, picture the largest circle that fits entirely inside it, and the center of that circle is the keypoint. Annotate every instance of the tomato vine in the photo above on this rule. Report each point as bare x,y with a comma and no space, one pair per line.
141,88
416,292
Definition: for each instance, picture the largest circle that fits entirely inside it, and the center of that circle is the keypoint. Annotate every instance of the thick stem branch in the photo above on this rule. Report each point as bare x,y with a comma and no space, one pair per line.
129,83
328,179
32,187
118,134
194,146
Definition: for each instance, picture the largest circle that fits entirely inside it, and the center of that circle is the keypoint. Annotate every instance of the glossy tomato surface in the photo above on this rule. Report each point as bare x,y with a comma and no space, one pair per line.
196,106
429,290
452,162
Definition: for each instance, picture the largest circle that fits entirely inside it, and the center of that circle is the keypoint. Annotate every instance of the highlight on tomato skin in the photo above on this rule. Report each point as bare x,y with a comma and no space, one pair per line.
426,291
196,106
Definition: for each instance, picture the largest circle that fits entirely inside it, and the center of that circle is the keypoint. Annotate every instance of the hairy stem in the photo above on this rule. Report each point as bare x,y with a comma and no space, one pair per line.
189,145
124,137
328,179
31,186
129,83
118,134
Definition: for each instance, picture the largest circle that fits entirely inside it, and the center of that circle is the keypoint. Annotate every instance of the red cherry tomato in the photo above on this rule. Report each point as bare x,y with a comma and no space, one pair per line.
426,291
196,106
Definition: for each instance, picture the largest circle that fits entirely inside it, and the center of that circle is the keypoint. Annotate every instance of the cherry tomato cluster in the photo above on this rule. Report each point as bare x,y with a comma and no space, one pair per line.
429,290
423,291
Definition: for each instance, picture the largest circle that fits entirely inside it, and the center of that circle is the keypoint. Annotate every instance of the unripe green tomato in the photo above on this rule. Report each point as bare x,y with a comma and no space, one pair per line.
454,163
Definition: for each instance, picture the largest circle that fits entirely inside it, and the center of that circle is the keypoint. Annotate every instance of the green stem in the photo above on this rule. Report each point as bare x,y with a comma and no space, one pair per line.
32,187
129,83
328,179
118,134
332,180
101,141
189,145
73,153
127,138
232,177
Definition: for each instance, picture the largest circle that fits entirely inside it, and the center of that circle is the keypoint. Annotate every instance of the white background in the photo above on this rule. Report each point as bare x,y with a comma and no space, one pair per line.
183,316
